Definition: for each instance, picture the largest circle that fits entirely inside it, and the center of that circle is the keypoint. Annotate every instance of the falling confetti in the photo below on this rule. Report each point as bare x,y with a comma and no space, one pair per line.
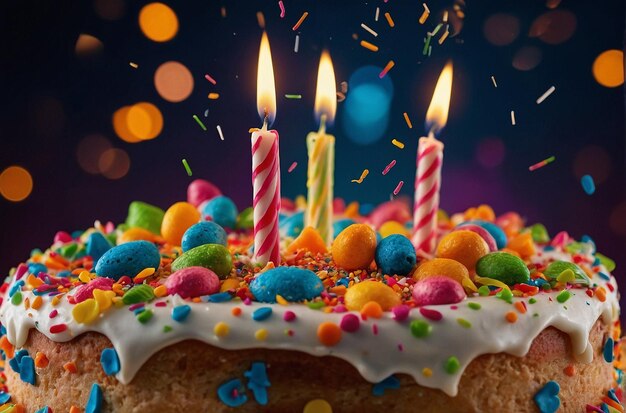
427,49
445,35
541,164
513,117
187,168
260,17
297,25
546,94
407,120
377,14
133,65
363,175
292,167
210,79
369,46
493,79
206,113
288,96
387,68
589,186
199,122
398,188
425,14
219,131
214,96
297,44
389,20
388,167
398,143
369,30
282,9
344,87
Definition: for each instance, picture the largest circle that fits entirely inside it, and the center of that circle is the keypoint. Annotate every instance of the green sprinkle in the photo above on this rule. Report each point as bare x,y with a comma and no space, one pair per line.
420,328
452,365
144,316
434,32
140,293
187,168
199,122
563,296
606,261
505,295
566,276
536,315
167,329
532,301
464,323
474,306
484,291
539,233
427,43
288,96
316,305
17,298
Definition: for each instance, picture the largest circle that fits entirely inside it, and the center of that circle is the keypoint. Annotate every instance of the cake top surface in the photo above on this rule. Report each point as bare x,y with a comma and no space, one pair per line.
493,285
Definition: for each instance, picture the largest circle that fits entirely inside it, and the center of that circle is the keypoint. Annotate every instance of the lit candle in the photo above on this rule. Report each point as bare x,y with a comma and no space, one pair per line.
266,165
429,161
321,150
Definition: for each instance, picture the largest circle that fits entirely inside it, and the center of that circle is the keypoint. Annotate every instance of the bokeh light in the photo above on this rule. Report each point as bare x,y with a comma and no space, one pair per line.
121,126
595,161
88,152
554,27
366,108
87,45
608,68
15,183
110,9
490,152
158,22
139,122
173,81
114,163
501,29
553,4
617,220
527,58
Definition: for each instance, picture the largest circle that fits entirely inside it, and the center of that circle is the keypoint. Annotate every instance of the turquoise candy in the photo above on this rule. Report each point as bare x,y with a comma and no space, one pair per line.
203,233
212,256
293,225
496,232
539,233
503,267
145,216
557,267
245,220
292,283
395,255
221,210
97,245
128,259
340,225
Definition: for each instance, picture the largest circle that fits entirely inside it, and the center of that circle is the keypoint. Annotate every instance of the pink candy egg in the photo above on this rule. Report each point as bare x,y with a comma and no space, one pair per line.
85,291
200,191
484,234
390,211
193,282
437,290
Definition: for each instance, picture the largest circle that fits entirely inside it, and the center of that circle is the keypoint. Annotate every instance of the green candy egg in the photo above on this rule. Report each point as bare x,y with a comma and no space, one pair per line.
212,256
145,216
503,267
557,267
539,233
245,220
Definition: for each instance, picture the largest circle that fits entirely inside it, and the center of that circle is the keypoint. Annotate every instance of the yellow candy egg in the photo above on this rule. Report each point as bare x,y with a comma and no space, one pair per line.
366,291
466,247
393,227
137,234
354,247
442,267
178,218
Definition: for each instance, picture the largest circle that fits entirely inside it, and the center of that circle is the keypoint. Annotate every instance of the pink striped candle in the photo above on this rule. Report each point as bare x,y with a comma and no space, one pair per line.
427,185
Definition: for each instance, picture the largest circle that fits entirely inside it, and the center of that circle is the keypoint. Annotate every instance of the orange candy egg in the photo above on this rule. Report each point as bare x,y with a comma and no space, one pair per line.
354,247
442,267
178,218
466,247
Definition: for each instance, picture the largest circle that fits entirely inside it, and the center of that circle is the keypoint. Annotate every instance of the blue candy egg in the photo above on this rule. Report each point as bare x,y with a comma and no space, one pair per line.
292,226
97,245
203,233
395,255
291,283
221,210
340,225
496,232
128,259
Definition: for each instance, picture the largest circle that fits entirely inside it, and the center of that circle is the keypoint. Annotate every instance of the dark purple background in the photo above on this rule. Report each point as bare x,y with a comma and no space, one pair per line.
52,100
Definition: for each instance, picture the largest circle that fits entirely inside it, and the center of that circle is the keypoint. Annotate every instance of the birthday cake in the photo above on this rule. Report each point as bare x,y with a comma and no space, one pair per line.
168,312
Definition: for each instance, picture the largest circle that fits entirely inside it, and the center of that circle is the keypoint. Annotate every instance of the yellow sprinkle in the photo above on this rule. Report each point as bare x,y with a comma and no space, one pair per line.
280,300
261,334
491,281
425,14
26,303
36,303
214,95
389,20
398,143
369,46
55,300
86,311
363,175
146,272
318,406
221,329
160,291
103,298
84,277
407,120
469,285
426,372
444,36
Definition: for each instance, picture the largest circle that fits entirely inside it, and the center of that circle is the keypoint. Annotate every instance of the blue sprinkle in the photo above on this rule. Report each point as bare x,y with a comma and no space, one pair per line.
220,297
36,268
588,185
94,404
44,409
110,361
613,396
548,248
27,370
390,382
344,282
139,310
547,398
604,276
596,262
226,393
258,382
620,376
4,397
181,312
608,350
3,331
262,313
605,408
16,287
63,274
16,361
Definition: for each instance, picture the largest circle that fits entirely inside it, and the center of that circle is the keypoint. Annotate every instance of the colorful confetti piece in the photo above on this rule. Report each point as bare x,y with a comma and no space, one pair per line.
199,122
397,143
389,20
388,167
387,68
398,188
187,168
362,177
210,79
589,186
282,9
219,131
297,25
292,167
369,46
541,164
425,14
369,30
407,120
546,94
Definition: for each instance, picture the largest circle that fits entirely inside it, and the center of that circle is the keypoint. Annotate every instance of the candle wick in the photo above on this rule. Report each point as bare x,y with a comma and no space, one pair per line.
322,130
265,117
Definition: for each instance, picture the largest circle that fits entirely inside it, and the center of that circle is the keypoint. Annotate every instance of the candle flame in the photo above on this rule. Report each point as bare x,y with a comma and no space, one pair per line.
326,92
265,88
437,114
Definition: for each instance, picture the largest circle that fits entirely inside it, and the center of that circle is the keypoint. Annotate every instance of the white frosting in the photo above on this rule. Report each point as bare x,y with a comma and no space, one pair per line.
375,356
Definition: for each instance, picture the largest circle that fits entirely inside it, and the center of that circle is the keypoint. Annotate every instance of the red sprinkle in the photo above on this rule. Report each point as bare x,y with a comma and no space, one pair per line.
431,314
53,313
289,316
58,328
135,306
160,304
610,287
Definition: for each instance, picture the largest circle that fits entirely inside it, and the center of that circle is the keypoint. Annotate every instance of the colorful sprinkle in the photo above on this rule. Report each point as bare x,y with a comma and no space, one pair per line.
210,79
187,168
464,323
197,119
398,188
262,313
541,164
388,167
451,365
589,186
389,20
145,316
547,398
282,9
328,333
110,361
58,328
181,312
297,25
27,370
546,94
431,314
607,352
232,393
369,46
386,70
317,406
420,328
390,383
258,382
221,329
261,334
350,323
362,177
563,296
292,167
